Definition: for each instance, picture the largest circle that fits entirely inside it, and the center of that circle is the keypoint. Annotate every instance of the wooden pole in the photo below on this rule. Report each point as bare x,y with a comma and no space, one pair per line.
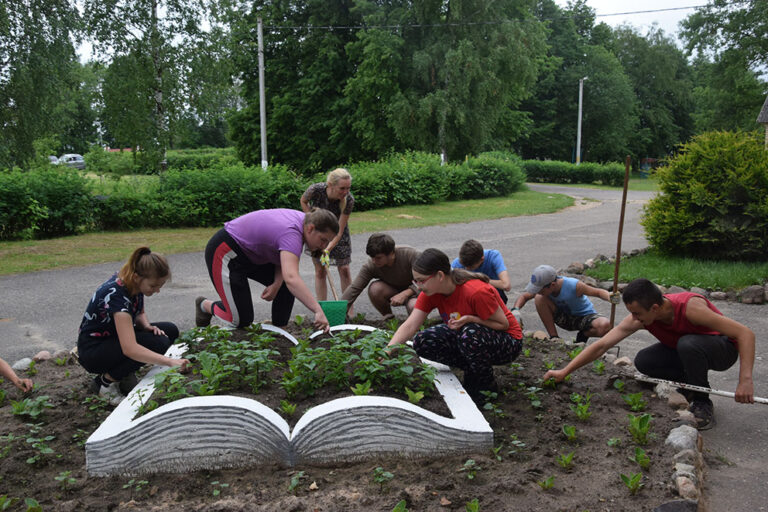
621,231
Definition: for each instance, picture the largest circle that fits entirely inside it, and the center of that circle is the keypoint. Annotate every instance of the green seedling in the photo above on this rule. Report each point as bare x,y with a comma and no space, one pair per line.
363,388
496,450
491,405
634,482
218,487
516,445
582,411
2,394
547,483
38,443
573,353
614,442
641,458
570,432
472,506
97,405
60,361
32,369
619,385
532,394
32,505
135,486
80,437
382,477
287,407
527,352
565,461
298,320
414,396
296,481
6,502
471,468
539,417
516,369
359,318
7,441
598,367
401,506
635,401
32,407
65,480
392,324
549,383
549,365
639,426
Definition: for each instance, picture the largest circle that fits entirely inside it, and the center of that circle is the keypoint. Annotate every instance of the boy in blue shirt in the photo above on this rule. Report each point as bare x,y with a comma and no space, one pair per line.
489,262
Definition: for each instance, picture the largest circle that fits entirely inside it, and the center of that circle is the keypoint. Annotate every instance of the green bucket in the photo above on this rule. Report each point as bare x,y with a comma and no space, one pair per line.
335,311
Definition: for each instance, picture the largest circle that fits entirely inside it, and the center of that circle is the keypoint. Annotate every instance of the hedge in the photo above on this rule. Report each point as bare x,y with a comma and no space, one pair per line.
550,171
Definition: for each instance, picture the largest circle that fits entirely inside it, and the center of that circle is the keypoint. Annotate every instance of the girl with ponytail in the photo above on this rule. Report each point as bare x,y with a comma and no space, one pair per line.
478,330
115,337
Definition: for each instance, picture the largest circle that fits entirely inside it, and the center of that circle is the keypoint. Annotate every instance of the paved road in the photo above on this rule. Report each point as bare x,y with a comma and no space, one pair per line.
42,310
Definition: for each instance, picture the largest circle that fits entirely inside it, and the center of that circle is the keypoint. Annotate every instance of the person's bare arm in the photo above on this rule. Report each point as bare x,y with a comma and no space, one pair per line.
7,373
591,291
289,263
625,328
698,313
305,206
497,321
502,282
342,224
131,348
408,328
522,299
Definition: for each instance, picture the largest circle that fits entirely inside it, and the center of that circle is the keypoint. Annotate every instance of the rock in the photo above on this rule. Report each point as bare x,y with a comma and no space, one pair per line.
700,291
575,268
445,502
683,437
22,364
600,257
691,457
678,506
676,289
686,416
623,361
686,488
540,335
43,355
589,281
677,401
765,295
621,287
590,263
606,285
686,470
61,354
718,296
313,486
663,390
752,295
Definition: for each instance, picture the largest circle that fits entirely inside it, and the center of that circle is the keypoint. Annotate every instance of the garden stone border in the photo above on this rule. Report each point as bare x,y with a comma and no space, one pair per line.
222,431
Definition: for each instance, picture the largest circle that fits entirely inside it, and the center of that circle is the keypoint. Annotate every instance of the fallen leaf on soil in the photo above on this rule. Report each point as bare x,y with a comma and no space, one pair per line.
445,501
313,486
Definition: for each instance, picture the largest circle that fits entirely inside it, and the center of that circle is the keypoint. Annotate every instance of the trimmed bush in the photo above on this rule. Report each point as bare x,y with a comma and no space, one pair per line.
20,212
550,171
490,175
713,200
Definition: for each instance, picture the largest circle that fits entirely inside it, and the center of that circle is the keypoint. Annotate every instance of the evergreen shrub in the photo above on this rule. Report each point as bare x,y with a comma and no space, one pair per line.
20,211
713,199
490,174
551,171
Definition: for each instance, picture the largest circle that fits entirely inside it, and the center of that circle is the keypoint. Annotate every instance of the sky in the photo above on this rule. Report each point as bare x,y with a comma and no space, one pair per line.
666,20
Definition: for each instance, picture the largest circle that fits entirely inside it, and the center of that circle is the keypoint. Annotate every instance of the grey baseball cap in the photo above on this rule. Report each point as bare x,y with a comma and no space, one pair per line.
541,277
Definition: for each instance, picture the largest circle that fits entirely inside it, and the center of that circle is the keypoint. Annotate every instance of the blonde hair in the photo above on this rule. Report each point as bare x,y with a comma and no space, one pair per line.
333,178
143,263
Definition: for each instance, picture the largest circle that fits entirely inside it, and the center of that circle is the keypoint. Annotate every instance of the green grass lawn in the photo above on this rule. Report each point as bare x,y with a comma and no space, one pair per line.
92,248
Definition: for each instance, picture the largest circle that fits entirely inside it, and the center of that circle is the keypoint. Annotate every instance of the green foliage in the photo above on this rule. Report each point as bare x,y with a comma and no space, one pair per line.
32,407
32,505
713,201
414,396
470,467
472,506
218,487
382,477
641,458
287,407
598,367
633,482
40,444
547,483
565,461
550,171
296,480
635,401
65,479
364,388
580,405
639,426
619,385
613,442
401,506
569,431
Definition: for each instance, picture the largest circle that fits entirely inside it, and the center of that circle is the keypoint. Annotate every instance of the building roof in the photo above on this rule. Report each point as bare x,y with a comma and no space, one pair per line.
763,116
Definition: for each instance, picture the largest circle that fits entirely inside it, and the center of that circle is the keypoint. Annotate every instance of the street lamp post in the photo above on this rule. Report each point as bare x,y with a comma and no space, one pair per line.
578,126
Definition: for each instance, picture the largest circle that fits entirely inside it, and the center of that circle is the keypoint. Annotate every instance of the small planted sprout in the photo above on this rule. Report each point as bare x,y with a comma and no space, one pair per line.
65,480
298,320
635,401
471,468
402,506
549,365
547,483
359,318
60,361
639,426
641,458
573,353
296,481
598,367
613,442
491,405
549,383
527,352
565,461
634,482
619,385
414,396
135,485
472,506
570,432
382,477
32,369
392,324
496,450
362,388
218,487
516,369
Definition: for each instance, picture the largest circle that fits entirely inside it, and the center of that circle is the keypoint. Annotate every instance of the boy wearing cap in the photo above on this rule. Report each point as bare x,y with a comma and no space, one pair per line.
489,262
563,301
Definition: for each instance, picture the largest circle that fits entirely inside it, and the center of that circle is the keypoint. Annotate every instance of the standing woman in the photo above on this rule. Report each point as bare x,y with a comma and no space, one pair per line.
478,330
116,338
265,246
333,195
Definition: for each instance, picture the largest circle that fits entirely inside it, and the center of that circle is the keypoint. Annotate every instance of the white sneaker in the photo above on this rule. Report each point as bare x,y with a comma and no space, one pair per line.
112,392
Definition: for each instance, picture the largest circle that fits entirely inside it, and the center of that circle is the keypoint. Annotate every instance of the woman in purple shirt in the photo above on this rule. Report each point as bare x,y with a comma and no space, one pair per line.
265,246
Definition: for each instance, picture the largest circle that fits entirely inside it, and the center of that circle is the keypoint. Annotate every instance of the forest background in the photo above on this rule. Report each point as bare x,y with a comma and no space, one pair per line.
355,80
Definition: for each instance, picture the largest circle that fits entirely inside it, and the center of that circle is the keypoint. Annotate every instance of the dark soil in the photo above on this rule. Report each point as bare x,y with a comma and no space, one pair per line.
506,480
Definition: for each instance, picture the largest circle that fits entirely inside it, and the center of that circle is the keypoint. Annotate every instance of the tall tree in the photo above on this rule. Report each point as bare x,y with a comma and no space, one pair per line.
36,50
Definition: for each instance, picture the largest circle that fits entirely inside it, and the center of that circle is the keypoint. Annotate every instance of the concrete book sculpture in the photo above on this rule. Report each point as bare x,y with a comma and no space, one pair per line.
211,432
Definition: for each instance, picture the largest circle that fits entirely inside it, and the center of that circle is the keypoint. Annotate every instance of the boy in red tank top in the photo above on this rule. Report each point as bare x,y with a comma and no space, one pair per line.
694,337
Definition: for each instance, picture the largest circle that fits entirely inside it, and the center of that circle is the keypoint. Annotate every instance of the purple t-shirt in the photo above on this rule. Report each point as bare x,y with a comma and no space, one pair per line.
264,233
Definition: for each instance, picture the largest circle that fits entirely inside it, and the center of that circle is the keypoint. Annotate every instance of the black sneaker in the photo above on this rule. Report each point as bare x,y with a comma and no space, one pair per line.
581,337
704,413
202,319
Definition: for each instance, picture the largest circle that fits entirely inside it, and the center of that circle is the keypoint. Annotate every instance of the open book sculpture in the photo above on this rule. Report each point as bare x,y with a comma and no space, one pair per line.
211,432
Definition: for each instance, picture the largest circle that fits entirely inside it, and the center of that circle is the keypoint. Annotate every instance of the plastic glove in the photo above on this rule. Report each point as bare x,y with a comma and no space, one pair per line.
518,317
616,298
325,259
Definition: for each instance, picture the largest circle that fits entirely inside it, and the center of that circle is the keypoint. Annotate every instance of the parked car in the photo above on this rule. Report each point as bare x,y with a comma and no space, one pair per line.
53,160
72,160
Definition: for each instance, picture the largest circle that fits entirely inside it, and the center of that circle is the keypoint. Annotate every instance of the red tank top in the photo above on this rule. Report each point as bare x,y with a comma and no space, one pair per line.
669,334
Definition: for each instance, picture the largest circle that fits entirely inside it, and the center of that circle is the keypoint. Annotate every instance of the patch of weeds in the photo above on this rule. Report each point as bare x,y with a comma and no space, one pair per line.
392,324
382,477
32,407
565,461
65,479
7,441
527,352
549,383
414,396
359,318
635,401
496,451
547,483
641,458
638,427
80,437
634,482
296,480
217,487
97,405
549,365
471,468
